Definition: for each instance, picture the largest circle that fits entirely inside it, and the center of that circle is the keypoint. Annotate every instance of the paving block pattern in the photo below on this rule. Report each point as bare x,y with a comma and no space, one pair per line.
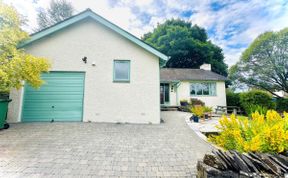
170,149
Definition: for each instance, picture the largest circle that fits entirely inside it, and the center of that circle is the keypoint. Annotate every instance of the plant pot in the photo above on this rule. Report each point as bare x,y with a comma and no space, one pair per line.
195,118
3,113
183,103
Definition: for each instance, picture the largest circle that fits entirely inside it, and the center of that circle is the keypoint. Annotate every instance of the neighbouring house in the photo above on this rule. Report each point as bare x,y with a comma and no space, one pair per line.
184,84
100,73
282,94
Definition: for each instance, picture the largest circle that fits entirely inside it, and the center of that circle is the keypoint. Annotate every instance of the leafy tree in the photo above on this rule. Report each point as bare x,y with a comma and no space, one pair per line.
16,65
187,45
264,64
58,11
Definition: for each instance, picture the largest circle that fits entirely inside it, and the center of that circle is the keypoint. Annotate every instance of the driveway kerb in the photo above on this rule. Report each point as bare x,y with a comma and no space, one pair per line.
196,129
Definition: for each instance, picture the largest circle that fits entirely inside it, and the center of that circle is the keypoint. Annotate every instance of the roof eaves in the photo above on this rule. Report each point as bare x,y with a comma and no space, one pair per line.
170,81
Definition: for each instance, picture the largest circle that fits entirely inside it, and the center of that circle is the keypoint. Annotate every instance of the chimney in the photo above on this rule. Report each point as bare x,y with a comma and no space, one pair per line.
206,67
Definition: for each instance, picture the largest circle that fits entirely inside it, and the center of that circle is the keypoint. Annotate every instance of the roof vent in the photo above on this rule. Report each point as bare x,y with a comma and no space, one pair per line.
206,67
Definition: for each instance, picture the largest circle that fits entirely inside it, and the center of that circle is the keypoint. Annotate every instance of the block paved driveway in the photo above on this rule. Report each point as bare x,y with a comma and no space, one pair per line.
170,149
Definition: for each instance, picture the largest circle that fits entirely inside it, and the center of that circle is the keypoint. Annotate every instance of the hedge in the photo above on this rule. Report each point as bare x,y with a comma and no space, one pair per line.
233,99
256,98
282,104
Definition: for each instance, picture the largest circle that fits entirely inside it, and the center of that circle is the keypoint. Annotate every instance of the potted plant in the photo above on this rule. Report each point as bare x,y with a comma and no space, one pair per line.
196,102
198,112
207,112
184,102
16,66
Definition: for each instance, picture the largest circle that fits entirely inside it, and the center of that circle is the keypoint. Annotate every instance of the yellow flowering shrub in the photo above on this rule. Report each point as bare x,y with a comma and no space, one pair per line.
261,133
16,66
198,110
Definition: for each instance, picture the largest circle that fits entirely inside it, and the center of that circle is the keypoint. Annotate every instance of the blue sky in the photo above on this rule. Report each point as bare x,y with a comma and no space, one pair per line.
231,24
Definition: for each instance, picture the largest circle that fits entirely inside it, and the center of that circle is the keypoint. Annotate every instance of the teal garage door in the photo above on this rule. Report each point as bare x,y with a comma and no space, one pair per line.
59,99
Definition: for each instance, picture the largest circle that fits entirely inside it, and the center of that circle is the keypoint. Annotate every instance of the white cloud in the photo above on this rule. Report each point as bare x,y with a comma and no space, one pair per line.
241,22
121,16
234,23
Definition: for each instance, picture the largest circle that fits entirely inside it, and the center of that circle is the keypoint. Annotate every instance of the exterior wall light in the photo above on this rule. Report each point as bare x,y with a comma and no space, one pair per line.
84,59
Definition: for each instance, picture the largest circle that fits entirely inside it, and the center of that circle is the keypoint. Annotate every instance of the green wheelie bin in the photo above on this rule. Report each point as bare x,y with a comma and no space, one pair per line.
3,112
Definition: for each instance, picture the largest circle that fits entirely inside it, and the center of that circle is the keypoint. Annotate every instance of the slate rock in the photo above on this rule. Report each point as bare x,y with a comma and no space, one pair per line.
242,165
205,171
282,166
283,159
266,160
211,160
249,163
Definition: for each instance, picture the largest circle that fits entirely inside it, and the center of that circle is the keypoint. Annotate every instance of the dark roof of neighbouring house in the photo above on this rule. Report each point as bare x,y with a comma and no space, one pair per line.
88,13
173,74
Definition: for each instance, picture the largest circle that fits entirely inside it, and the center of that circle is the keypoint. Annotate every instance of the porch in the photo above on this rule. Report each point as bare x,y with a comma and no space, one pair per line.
169,94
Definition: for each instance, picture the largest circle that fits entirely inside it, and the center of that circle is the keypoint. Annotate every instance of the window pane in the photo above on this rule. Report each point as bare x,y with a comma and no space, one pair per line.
213,89
199,89
192,89
121,70
205,88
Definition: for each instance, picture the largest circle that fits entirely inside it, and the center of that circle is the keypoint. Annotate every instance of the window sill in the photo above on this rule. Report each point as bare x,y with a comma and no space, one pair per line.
203,95
121,81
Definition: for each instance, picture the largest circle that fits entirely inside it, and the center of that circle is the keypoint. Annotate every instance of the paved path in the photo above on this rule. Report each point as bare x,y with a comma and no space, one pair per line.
204,126
170,149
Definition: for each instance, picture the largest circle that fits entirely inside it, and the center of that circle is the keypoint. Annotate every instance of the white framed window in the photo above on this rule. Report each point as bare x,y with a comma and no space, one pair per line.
203,89
121,71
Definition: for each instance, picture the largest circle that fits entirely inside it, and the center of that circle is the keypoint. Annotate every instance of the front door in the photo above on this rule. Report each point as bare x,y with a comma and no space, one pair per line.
164,93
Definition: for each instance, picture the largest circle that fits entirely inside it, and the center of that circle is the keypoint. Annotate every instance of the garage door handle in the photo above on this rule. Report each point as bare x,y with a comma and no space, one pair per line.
53,107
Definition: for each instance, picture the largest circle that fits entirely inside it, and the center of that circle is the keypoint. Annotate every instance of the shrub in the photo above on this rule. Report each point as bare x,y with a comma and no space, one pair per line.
198,110
233,99
262,133
196,102
282,104
256,97
208,109
256,108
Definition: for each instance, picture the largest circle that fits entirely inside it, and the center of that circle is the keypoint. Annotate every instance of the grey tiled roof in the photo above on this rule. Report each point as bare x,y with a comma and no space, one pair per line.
173,74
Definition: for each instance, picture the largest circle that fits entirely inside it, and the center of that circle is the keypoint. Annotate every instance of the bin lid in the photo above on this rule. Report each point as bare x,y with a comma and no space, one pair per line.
5,100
